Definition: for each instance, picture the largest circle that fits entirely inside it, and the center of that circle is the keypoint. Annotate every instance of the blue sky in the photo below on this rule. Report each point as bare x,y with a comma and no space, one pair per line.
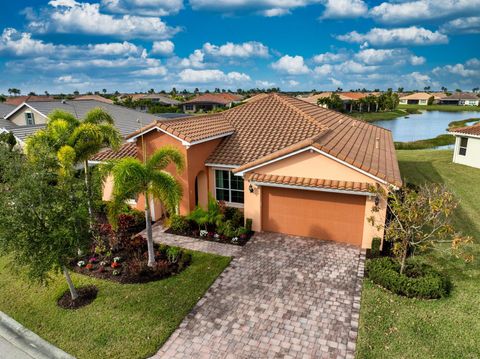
135,45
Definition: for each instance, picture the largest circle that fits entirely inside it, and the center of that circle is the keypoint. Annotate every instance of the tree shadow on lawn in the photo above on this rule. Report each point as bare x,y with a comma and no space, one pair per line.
421,172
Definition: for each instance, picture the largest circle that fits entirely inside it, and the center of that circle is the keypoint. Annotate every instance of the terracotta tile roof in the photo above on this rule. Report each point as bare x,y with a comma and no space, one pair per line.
93,97
194,128
256,97
265,127
417,96
310,182
461,96
473,130
220,98
354,95
127,150
18,100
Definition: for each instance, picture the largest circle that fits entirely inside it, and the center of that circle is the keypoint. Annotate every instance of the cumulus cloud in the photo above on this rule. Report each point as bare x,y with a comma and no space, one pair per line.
144,7
192,76
244,50
264,83
21,44
329,57
396,37
165,47
323,70
194,60
421,10
415,80
390,56
67,16
464,25
151,71
268,8
292,65
463,70
342,9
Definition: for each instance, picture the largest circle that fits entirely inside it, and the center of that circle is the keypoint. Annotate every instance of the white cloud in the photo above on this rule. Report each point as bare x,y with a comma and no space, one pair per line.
416,80
151,71
396,37
351,66
323,70
421,10
67,16
244,50
22,44
265,84
115,48
463,25
293,83
342,9
335,82
163,47
144,7
194,60
329,57
292,65
66,79
388,56
268,8
209,76
474,62
459,69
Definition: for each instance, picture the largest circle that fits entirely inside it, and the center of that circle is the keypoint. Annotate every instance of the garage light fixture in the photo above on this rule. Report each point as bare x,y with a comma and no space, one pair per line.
250,188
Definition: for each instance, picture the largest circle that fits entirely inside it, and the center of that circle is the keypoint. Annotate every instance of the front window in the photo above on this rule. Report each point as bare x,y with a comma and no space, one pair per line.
463,146
228,187
29,119
188,107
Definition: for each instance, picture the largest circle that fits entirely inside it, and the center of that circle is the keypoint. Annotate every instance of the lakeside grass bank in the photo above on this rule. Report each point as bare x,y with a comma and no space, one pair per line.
444,108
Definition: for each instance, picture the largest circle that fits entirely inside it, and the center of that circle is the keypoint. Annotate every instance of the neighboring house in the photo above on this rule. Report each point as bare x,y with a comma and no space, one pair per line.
461,99
156,99
211,101
417,98
27,118
467,145
18,100
93,98
293,167
348,98
5,109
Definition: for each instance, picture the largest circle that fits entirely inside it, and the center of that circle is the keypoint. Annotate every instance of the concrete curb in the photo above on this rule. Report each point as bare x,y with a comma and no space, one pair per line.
27,341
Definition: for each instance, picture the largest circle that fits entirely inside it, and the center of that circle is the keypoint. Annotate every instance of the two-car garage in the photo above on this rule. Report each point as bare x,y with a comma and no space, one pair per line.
325,215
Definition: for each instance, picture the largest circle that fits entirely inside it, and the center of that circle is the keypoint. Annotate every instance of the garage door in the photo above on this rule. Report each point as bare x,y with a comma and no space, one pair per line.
324,215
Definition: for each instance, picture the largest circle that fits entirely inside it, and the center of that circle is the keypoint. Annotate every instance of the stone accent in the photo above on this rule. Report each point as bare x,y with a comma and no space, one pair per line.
282,297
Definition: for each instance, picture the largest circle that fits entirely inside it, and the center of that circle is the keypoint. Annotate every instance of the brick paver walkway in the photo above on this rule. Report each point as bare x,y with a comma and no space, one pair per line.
283,297
228,250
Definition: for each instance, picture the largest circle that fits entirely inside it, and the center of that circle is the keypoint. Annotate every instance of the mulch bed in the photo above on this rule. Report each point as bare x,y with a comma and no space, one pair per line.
86,295
242,240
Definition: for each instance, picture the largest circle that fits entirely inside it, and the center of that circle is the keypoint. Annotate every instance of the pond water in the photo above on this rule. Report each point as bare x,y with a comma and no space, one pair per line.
428,124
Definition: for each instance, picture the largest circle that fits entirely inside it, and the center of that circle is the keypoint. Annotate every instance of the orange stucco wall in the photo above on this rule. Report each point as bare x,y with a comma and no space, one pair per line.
313,165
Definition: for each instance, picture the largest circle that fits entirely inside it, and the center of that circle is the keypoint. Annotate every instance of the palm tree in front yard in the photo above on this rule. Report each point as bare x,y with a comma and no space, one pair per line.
132,177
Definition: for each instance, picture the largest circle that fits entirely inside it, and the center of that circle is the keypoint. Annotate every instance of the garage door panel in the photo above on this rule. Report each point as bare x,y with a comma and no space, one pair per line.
324,215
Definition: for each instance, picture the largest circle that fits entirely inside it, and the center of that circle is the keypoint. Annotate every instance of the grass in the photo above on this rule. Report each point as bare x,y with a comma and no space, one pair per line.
382,116
445,108
125,321
396,327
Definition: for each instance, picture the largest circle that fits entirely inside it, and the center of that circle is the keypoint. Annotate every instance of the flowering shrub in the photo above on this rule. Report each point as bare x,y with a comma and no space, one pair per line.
115,265
89,266
92,260
203,233
116,272
104,263
81,263
234,239
117,259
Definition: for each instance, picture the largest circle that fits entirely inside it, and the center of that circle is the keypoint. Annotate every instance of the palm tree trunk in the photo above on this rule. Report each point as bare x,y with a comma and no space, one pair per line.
148,219
89,193
73,291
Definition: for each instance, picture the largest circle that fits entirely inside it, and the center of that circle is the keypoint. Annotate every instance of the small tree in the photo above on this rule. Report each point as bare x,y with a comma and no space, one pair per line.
133,177
44,217
420,219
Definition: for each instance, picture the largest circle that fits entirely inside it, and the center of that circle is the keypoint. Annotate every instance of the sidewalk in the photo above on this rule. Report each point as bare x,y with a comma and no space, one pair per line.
17,342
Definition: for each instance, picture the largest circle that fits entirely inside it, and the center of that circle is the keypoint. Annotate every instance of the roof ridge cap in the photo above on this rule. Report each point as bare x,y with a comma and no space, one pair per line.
300,112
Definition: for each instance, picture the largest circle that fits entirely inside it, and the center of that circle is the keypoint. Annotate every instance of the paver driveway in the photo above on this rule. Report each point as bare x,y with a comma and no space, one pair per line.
283,297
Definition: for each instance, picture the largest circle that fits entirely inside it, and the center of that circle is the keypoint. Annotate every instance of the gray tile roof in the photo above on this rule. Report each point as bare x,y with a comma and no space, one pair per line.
461,96
5,109
125,118
22,132
6,124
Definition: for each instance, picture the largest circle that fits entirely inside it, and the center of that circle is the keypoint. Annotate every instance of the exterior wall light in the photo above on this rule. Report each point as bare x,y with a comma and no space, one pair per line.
250,188
377,200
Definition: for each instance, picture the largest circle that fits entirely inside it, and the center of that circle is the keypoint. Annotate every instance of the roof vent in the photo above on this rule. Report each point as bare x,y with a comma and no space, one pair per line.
377,143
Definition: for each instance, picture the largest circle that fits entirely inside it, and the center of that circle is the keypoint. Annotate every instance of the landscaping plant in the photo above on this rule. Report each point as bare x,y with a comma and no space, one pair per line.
420,219
132,177
44,216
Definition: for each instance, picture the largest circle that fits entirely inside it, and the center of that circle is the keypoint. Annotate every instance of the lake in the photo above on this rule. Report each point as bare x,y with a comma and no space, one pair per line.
428,124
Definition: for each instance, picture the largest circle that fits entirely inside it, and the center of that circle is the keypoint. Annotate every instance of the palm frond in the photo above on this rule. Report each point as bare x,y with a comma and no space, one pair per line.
111,136
164,156
65,116
98,116
167,189
130,178
87,140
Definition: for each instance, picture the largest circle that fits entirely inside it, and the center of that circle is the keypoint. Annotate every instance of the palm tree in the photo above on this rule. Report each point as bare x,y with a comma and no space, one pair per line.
132,177
75,141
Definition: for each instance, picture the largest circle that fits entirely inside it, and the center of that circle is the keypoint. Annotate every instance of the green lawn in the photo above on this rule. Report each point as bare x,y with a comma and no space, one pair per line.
381,116
398,327
125,321
446,108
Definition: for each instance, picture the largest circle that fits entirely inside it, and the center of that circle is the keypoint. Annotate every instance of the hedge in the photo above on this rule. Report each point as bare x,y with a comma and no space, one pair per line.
418,281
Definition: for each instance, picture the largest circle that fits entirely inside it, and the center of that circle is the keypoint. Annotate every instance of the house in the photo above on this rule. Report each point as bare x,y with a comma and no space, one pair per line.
93,98
211,101
151,98
467,145
349,99
27,118
5,109
18,100
461,99
417,98
291,166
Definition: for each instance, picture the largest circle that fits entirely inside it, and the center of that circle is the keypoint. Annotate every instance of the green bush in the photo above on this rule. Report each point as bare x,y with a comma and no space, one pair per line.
227,229
375,251
418,281
179,224
248,224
